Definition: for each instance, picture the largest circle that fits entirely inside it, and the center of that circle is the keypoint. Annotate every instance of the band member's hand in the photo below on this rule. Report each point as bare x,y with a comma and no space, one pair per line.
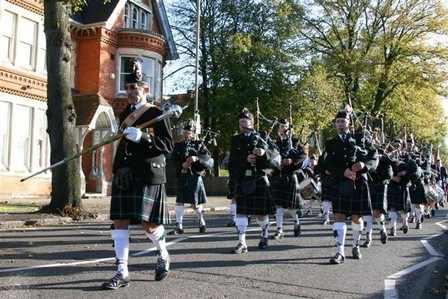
286,162
133,134
358,166
252,158
327,172
186,165
401,173
259,152
192,159
350,174
396,178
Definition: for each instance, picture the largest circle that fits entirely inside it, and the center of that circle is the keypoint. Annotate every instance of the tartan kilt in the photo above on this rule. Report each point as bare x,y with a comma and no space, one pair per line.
330,189
417,193
142,202
353,199
285,191
191,189
378,197
397,197
258,202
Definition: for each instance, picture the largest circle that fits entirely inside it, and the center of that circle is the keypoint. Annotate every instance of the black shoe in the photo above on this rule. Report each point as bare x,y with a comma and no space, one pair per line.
367,243
162,269
118,281
418,225
231,223
405,229
383,237
433,213
202,229
177,231
356,253
297,230
337,259
393,232
278,235
240,249
263,243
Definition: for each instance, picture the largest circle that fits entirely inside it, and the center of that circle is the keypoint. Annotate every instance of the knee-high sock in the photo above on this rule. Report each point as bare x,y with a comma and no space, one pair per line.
369,226
200,213
233,211
339,231
121,247
180,215
418,213
405,218
413,210
279,215
263,222
381,222
356,231
158,239
326,207
241,224
393,219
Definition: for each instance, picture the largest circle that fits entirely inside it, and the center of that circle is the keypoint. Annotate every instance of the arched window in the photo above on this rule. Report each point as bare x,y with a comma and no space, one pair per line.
134,18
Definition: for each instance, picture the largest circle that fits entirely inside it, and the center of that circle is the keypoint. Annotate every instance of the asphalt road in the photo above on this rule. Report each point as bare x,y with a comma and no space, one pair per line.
33,264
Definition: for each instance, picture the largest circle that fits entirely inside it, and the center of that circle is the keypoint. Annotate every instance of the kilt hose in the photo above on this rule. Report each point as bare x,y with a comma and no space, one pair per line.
398,197
353,198
253,196
141,202
191,189
417,193
285,191
378,196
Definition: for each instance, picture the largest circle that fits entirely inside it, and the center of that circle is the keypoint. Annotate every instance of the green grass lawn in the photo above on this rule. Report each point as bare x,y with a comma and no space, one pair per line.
17,208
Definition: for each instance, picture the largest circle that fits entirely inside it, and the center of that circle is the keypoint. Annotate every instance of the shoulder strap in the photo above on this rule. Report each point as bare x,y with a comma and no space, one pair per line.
134,116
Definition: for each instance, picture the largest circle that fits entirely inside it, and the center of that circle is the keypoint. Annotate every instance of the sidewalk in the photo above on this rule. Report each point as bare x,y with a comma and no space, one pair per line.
95,205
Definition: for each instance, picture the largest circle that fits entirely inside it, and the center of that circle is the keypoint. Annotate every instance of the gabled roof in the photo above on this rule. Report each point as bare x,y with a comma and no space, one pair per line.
104,12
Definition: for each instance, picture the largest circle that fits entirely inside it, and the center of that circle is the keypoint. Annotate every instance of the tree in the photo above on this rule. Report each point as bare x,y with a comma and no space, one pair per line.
61,114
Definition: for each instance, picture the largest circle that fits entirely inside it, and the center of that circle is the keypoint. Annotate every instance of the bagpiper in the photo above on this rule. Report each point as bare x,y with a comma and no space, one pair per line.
347,162
249,158
138,189
285,182
192,160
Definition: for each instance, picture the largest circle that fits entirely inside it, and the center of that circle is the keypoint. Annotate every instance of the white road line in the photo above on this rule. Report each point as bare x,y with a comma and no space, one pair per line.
414,268
137,254
431,250
443,226
389,289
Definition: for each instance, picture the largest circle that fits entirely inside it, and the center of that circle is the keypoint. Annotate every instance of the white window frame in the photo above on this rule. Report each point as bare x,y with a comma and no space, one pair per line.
6,165
154,79
12,45
23,64
32,163
129,19
21,12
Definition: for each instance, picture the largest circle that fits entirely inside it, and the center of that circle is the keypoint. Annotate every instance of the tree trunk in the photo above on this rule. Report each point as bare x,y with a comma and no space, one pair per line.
61,112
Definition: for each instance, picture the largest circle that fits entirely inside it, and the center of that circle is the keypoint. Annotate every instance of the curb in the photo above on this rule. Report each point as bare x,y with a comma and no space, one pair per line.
11,224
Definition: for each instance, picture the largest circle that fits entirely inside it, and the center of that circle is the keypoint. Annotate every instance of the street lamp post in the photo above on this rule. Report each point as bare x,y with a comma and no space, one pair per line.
197,118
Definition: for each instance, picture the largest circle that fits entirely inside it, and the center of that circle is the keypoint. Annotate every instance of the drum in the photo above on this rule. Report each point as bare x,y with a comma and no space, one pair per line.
308,189
430,193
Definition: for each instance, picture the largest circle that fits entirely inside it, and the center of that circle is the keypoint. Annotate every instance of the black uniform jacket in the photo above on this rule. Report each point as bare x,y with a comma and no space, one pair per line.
146,159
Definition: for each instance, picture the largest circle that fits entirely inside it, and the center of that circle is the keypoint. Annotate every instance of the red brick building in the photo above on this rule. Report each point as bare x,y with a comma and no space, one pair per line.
105,39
